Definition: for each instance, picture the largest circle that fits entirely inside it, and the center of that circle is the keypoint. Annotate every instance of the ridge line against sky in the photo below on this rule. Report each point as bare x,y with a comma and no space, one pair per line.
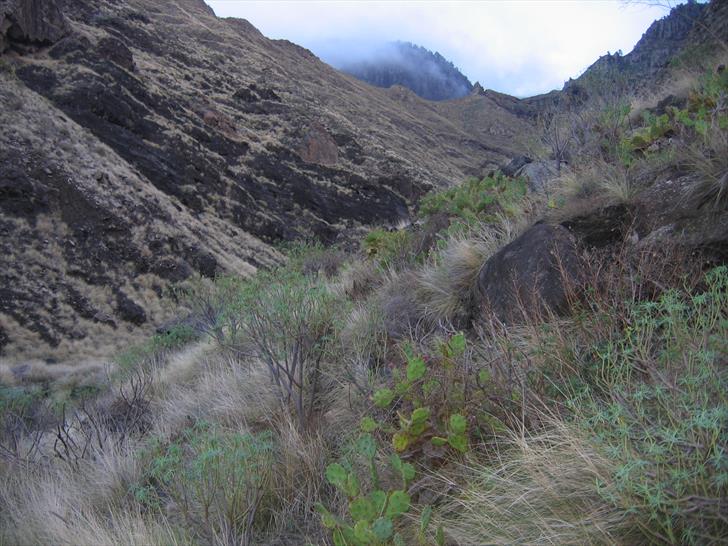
522,48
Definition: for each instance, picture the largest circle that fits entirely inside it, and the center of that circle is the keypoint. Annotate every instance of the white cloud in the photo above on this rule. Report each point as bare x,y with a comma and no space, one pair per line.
519,47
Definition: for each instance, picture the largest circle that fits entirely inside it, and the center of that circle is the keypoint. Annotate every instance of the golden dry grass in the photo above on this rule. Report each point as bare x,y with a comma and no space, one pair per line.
541,488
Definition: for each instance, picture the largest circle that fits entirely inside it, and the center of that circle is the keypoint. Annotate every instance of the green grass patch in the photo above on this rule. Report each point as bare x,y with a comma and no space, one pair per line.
477,199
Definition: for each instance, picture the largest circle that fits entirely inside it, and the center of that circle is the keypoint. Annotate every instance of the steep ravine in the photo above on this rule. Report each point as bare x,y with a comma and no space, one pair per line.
144,142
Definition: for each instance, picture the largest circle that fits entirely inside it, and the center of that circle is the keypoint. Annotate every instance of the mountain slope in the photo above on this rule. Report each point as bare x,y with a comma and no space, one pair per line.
428,74
688,30
645,65
146,141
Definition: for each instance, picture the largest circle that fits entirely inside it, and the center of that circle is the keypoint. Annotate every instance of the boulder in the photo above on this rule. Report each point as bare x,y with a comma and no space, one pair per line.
540,173
31,22
116,51
529,274
129,310
603,226
515,165
318,146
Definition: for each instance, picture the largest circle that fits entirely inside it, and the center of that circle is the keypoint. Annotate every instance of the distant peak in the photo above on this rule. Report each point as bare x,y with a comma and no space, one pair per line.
426,73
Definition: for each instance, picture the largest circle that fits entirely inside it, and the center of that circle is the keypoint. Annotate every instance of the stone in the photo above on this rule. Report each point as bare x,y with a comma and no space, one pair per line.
601,227
515,165
116,51
529,274
540,174
38,22
319,147
128,310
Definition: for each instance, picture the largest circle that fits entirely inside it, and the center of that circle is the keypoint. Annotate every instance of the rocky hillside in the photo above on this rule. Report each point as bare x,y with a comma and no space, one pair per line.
428,74
659,44
687,33
147,141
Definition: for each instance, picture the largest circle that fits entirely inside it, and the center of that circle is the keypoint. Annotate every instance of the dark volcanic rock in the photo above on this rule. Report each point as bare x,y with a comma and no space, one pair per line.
114,50
601,227
515,164
39,22
663,40
529,275
69,45
128,310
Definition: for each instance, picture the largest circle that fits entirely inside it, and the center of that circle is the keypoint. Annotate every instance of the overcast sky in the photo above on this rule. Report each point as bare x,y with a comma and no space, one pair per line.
521,47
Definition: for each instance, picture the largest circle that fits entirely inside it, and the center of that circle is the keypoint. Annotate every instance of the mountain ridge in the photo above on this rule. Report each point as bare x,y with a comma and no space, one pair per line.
428,74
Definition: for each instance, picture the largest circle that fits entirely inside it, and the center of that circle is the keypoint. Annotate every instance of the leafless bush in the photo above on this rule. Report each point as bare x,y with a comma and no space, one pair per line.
558,133
20,442
93,426
208,303
326,260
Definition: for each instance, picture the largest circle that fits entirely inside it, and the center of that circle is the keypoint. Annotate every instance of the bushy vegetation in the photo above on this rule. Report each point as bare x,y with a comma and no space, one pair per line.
628,429
361,399
477,199
220,481
622,149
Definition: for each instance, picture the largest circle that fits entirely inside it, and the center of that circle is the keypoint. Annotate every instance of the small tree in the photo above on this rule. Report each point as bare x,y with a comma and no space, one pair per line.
286,321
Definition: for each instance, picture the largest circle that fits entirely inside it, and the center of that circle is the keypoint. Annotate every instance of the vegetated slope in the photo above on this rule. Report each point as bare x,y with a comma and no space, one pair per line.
146,141
476,378
515,367
428,74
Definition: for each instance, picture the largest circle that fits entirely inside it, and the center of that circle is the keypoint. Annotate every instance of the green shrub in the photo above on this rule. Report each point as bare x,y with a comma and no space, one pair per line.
286,320
19,400
151,352
657,402
217,480
432,402
373,510
371,516
389,248
436,401
475,199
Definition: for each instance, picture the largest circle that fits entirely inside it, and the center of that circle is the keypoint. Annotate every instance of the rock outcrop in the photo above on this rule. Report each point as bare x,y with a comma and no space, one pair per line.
531,274
31,22
644,67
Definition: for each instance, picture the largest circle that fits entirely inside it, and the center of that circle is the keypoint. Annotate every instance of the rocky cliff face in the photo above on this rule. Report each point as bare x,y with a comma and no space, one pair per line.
30,22
644,66
147,141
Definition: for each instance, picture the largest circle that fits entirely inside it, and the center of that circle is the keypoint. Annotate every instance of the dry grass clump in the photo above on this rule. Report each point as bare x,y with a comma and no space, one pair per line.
222,390
709,159
325,261
544,487
54,503
357,280
445,285
594,183
364,341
